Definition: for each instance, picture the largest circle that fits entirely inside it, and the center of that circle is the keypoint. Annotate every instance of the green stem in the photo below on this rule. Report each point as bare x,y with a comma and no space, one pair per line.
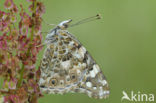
33,27
21,76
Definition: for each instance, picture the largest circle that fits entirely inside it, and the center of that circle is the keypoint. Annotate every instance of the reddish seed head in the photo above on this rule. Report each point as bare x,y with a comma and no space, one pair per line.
18,51
9,4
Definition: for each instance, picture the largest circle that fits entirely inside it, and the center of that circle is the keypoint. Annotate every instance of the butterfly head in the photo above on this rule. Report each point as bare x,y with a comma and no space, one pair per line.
64,24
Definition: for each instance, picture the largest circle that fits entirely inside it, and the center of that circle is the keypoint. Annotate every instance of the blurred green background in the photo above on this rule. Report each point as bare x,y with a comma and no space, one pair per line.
123,43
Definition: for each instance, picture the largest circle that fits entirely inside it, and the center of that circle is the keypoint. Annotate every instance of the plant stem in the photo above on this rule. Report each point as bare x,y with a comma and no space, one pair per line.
21,76
33,18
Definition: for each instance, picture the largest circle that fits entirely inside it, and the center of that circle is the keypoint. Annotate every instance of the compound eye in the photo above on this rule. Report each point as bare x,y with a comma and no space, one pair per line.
65,25
53,82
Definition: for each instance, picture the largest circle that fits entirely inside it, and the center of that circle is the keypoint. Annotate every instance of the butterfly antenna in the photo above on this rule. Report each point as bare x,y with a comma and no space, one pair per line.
98,16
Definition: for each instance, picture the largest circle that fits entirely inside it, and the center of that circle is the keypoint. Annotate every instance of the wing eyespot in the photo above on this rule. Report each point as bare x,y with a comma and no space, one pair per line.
53,82
73,77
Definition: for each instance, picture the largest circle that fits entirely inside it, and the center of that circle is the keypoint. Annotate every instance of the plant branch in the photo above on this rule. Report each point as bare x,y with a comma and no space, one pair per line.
21,76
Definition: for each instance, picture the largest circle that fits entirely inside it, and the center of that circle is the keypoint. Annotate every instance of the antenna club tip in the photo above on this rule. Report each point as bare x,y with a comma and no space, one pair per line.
98,16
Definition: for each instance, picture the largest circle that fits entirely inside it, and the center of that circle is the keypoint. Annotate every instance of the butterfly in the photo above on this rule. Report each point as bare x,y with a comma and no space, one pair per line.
68,67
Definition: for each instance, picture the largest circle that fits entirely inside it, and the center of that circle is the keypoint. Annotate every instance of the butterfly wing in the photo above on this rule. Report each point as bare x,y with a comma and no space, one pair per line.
68,67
